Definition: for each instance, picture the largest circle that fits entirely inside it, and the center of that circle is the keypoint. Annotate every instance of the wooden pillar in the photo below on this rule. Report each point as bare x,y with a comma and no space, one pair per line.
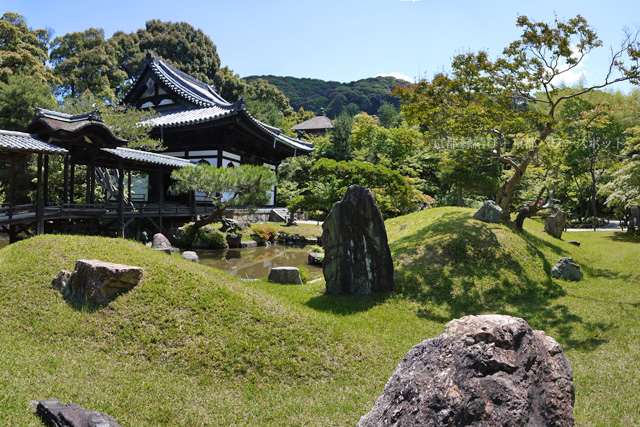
12,200
65,184
161,199
120,200
93,177
39,202
46,180
129,186
275,189
72,180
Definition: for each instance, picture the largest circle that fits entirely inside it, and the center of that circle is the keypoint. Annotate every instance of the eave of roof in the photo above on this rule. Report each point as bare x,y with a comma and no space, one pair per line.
148,157
20,142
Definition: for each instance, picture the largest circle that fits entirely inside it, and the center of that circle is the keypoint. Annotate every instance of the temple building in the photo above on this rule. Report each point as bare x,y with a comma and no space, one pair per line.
197,124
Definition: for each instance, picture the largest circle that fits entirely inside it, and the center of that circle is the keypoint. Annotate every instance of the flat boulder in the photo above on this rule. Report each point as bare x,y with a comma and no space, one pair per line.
567,269
285,275
315,258
357,259
488,212
488,370
57,414
97,283
554,224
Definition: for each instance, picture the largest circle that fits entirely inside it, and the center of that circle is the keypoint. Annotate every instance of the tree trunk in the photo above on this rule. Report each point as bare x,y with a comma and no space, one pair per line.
594,206
209,219
459,196
505,193
529,210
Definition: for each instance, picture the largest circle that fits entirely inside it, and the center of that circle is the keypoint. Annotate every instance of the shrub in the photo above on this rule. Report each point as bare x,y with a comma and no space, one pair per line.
265,232
207,235
305,275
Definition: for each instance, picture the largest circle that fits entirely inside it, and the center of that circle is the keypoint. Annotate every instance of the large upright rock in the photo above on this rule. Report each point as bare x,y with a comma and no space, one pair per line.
486,370
97,283
488,212
357,258
554,224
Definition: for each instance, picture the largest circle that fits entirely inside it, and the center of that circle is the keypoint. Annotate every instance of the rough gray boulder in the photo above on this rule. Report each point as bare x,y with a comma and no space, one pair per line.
160,242
285,275
57,414
554,224
357,259
61,281
97,283
488,212
567,269
486,370
190,256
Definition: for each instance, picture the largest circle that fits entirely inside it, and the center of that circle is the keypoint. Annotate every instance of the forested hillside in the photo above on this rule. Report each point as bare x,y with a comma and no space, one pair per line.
313,94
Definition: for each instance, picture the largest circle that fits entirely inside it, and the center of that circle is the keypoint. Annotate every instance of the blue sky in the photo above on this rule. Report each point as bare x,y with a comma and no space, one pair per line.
340,40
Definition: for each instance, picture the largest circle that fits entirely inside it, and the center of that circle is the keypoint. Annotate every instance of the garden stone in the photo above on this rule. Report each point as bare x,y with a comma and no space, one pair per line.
97,283
574,243
488,212
248,244
190,256
57,414
357,259
61,281
315,258
285,275
234,241
554,224
160,242
567,269
228,225
488,370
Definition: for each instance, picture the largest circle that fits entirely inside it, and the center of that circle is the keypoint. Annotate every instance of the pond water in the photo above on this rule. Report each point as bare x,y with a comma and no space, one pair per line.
255,263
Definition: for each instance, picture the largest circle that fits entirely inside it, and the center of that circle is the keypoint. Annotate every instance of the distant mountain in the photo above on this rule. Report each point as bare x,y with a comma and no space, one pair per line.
313,94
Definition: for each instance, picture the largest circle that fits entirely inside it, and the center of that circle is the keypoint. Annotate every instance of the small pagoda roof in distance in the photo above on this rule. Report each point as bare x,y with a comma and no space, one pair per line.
198,103
317,123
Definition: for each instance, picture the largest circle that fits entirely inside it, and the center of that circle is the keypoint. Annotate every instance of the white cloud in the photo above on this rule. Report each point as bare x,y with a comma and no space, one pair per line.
574,75
397,76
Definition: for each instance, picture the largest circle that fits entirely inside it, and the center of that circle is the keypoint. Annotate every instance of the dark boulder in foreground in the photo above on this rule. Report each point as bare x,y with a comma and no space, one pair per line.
57,414
486,370
95,282
357,259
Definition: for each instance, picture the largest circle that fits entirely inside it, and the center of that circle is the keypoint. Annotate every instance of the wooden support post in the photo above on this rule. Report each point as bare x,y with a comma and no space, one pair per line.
120,200
93,178
39,202
161,199
46,180
13,235
129,186
65,184
72,181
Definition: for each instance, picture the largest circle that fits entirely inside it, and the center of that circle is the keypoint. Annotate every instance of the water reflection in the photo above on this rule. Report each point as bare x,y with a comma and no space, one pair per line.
255,263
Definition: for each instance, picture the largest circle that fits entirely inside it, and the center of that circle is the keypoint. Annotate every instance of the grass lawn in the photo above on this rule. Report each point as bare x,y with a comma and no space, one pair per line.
194,346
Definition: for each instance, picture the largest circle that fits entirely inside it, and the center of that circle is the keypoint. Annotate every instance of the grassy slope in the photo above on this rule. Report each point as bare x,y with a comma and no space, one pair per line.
193,346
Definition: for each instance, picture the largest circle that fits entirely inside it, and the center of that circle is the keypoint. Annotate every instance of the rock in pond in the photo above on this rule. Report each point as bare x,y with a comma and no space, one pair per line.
234,241
285,275
488,212
567,269
488,370
357,259
315,258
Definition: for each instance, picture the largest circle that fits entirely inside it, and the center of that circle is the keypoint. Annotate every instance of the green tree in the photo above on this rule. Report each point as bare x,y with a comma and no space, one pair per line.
23,51
229,85
85,61
341,148
497,100
393,193
389,116
244,185
624,190
19,96
267,103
